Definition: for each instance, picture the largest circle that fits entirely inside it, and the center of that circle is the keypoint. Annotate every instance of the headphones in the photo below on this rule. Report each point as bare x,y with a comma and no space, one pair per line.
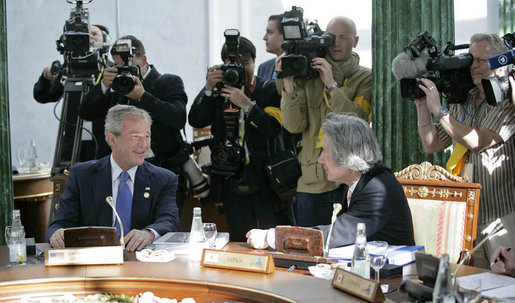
105,36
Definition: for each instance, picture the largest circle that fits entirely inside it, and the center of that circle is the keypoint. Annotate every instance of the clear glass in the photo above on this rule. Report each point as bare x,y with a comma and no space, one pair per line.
21,160
197,239
15,239
360,257
210,234
33,157
377,251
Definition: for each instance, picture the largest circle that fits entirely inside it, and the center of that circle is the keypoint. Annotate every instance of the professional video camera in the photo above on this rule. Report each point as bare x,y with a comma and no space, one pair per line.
303,43
449,72
123,82
74,44
234,73
497,89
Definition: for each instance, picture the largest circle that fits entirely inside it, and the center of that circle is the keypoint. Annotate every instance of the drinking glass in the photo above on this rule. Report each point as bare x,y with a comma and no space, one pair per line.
377,251
21,159
210,233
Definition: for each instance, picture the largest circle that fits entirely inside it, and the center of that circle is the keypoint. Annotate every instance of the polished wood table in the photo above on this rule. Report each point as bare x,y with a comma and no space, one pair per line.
177,279
33,197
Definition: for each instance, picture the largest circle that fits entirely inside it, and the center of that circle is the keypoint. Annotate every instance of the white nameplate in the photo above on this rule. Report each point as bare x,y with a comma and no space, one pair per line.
357,285
84,255
240,261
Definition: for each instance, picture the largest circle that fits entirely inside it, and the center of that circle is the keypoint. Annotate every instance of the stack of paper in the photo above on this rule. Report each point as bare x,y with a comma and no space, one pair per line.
396,254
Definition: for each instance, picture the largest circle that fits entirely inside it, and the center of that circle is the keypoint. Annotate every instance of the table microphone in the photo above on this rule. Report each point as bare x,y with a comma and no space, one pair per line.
336,209
491,230
109,201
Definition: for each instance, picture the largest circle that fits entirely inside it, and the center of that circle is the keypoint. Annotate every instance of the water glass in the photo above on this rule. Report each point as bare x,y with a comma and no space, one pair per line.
377,251
21,160
210,233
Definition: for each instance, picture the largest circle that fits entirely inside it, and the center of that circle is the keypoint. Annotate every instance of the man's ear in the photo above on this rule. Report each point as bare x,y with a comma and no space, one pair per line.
356,40
110,139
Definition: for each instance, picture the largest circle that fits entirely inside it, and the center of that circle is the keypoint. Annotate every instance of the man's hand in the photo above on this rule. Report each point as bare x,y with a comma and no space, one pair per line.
137,239
137,91
57,238
257,238
236,96
506,263
109,74
325,70
47,74
432,96
511,78
288,82
214,75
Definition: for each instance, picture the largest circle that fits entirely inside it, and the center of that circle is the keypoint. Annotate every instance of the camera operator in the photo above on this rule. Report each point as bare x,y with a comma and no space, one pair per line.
342,86
162,96
481,135
248,201
48,89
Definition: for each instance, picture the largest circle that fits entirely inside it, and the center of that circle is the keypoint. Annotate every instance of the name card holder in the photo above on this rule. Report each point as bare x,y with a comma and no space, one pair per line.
356,285
84,255
240,261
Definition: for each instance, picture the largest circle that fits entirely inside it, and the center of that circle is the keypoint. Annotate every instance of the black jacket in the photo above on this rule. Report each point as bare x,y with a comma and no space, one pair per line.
260,127
164,99
378,201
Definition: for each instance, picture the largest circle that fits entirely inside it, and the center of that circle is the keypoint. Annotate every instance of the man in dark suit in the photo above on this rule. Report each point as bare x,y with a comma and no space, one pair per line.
351,156
152,212
161,95
273,40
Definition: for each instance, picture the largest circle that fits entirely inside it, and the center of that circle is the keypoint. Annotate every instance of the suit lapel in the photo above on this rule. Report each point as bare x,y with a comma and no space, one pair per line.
102,188
142,198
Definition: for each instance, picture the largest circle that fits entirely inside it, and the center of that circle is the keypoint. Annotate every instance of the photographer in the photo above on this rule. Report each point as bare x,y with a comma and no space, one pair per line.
342,86
48,89
241,186
163,96
481,135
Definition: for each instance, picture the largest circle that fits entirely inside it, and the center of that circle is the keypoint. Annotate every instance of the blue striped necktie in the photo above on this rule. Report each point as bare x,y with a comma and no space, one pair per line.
124,204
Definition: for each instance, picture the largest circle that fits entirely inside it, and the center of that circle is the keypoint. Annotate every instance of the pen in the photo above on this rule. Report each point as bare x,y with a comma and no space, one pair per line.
500,257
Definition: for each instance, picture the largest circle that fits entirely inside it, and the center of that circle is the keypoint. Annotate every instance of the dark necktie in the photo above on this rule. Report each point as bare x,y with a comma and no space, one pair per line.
124,204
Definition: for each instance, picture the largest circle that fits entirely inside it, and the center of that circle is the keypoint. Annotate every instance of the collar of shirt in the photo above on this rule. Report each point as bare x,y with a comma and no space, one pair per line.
350,191
149,67
250,87
115,177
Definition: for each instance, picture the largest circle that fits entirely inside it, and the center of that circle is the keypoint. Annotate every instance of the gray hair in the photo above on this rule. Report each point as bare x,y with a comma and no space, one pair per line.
353,143
497,45
118,113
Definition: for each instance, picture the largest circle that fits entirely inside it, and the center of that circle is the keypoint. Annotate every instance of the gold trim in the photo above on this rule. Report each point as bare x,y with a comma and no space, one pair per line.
35,197
427,171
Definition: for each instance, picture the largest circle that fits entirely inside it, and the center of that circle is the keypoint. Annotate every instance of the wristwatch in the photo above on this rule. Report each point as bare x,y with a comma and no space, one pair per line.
246,109
443,112
330,88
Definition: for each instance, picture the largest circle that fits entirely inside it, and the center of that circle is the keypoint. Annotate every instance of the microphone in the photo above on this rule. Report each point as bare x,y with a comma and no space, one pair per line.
490,230
404,66
109,200
337,207
500,60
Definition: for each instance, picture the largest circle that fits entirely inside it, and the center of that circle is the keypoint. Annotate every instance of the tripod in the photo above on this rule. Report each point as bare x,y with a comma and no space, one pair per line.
73,86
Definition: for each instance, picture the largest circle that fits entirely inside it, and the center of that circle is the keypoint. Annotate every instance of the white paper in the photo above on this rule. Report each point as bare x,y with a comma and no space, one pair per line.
491,285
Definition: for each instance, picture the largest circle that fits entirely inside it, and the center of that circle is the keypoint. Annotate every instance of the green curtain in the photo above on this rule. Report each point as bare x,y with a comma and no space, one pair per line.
506,17
6,190
394,25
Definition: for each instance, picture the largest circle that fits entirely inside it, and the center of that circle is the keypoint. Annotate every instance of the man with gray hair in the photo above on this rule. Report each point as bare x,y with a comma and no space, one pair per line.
143,194
351,156
481,135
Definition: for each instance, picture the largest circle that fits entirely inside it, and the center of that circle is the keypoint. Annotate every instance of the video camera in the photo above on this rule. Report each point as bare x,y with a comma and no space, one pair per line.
449,72
74,44
497,89
234,73
303,43
123,82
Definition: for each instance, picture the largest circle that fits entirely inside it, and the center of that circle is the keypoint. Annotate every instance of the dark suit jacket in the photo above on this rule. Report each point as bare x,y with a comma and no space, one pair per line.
378,201
266,69
89,183
164,99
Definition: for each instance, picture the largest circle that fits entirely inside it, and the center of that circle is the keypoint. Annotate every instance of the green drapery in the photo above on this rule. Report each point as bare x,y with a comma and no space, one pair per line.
394,25
6,196
506,17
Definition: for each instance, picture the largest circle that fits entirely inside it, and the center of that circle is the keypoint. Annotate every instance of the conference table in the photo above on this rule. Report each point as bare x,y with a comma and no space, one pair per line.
179,279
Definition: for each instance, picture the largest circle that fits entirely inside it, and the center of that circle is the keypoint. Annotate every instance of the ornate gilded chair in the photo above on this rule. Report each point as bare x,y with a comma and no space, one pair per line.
443,208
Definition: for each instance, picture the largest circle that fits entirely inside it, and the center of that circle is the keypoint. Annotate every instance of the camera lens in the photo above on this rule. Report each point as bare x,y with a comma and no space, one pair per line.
231,77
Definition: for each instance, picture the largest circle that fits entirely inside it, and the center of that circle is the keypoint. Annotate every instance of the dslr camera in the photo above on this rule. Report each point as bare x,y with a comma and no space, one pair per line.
449,72
498,89
123,82
234,73
303,43
74,44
